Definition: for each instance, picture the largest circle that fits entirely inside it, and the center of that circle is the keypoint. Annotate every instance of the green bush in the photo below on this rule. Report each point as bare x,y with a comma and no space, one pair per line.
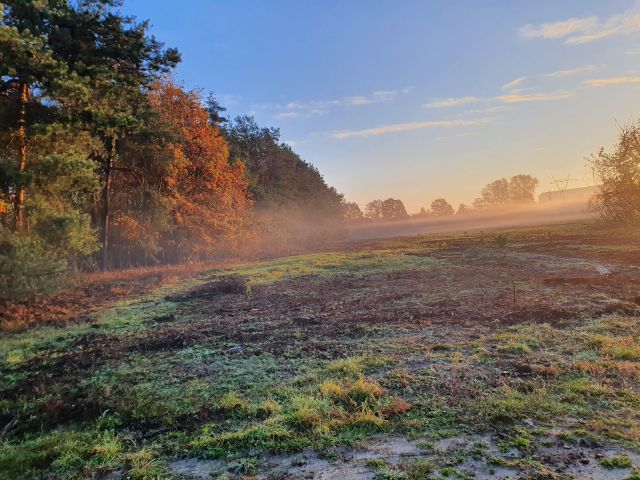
27,267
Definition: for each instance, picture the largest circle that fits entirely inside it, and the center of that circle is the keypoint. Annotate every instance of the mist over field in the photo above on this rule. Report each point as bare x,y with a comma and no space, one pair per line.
546,213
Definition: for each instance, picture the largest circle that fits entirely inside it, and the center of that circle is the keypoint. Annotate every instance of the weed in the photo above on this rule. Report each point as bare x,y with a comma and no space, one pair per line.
246,466
419,469
232,403
268,408
390,474
376,463
616,461
145,465
364,391
621,348
512,405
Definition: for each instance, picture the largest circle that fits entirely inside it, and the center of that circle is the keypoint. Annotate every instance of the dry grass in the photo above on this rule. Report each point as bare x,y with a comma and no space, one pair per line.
90,292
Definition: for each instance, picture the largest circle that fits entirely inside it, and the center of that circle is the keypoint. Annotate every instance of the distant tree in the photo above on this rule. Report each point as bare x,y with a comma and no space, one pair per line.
373,210
494,194
393,209
502,192
440,207
522,188
462,209
389,209
617,174
351,212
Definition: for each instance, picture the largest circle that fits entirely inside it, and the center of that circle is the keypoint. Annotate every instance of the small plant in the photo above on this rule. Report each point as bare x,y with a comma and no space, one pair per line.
268,407
419,469
232,403
246,466
390,475
501,240
145,465
616,461
376,463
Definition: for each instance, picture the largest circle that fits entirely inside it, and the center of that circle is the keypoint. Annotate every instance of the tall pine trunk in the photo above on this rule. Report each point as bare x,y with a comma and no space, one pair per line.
18,207
106,204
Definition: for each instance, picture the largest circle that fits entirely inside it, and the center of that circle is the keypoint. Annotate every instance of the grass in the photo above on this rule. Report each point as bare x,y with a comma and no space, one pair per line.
97,397
616,461
331,263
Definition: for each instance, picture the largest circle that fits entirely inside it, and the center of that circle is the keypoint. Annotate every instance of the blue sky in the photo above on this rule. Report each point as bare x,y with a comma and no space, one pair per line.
417,99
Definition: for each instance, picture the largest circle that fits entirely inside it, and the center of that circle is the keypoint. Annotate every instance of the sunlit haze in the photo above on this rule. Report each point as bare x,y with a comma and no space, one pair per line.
418,100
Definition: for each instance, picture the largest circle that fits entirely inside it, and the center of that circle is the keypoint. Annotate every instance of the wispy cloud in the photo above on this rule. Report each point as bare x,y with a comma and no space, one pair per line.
572,71
403,127
587,29
559,29
534,97
514,83
451,102
494,109
514,96
604,82
320,107
287,115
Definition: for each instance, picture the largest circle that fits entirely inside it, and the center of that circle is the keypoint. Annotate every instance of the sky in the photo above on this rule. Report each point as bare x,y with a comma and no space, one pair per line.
416,99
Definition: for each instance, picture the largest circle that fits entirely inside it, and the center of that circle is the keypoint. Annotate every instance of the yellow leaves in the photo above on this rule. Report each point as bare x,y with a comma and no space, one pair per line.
4,206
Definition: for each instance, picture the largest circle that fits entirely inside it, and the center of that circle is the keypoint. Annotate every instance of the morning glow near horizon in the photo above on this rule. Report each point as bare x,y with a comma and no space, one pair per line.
418,100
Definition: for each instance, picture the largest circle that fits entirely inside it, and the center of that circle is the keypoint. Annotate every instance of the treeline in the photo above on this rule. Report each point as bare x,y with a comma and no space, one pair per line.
106,160
518,190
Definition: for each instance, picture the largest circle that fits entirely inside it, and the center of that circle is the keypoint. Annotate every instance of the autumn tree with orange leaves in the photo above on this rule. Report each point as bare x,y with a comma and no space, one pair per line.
184,200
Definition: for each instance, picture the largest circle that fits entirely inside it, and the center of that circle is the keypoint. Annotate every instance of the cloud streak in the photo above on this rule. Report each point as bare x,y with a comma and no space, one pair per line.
569,72
534,97
403,127
605,82
514,83
576,31
452,102
320,107
514,96
494,109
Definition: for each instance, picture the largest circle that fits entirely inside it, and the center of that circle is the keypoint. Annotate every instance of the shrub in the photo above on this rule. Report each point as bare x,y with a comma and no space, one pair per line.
27,268
617,198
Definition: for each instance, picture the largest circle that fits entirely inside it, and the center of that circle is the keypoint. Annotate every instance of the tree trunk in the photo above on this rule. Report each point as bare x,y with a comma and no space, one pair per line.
106,207
18,206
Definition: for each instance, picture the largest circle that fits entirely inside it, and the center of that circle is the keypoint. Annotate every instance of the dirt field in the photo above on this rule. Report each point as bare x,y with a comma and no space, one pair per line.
445,356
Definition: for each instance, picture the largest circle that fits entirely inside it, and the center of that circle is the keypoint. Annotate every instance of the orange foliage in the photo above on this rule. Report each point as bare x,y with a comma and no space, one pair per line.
208,196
